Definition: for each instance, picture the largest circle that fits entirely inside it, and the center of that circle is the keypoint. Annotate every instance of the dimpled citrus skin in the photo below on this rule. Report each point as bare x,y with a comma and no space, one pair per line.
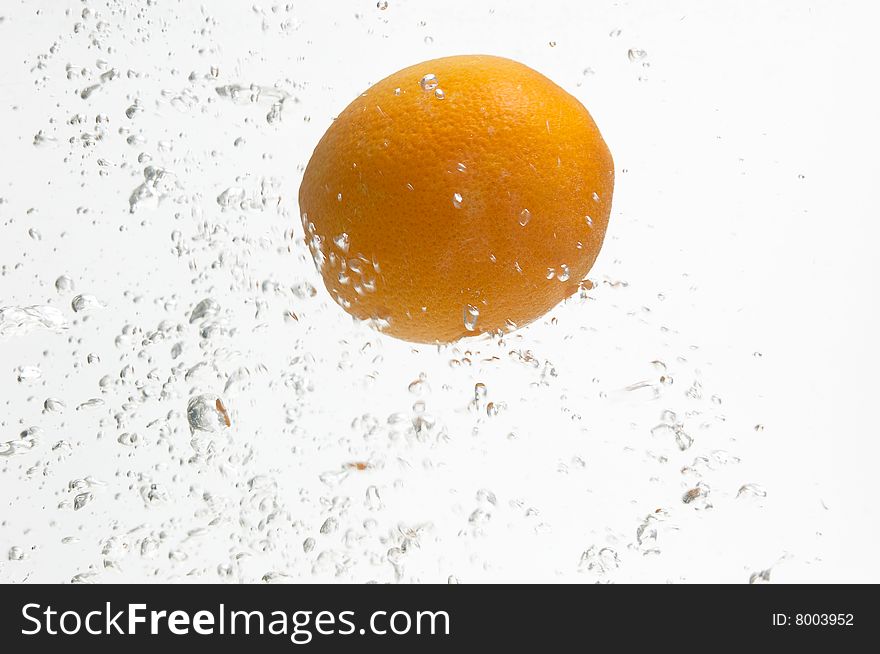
382,216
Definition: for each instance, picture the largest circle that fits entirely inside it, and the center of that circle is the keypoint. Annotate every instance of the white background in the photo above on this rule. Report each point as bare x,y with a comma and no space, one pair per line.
745,153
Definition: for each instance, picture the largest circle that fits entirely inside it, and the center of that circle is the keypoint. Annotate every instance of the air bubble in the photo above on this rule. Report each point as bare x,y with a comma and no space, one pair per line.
429,82
471,314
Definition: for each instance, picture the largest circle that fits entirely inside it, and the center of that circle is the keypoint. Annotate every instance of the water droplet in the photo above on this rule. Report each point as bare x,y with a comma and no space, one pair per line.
64,284
342,241
762,577
54,405
382,5
589,221
471,314
456,200
564,274
207,308
440,94
751,490
634,54
28,373
81,500
85,303
494,408
595,197
524,217
206,413
372,499
683,440
599,561
231,197
429,82
274,114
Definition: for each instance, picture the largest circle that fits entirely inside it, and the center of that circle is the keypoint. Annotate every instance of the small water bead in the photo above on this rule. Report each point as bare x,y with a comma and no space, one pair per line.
274,114
93,403
456,200
342,241
471,314
635,54
231,197
751,490
372,500
762,577
382,5
589,221
429,82
28,373
461,167
81,500
206,413
683,440
207,308
85,303
524,217
15,553
595,197
494,408
134,109
440,94
54,405
128,439
564,274
64,284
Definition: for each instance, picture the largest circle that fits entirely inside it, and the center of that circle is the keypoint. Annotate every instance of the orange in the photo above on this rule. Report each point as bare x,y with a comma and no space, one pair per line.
461,195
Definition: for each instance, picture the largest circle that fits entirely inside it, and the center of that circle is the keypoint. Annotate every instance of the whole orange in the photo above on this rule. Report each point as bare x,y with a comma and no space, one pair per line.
461,195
